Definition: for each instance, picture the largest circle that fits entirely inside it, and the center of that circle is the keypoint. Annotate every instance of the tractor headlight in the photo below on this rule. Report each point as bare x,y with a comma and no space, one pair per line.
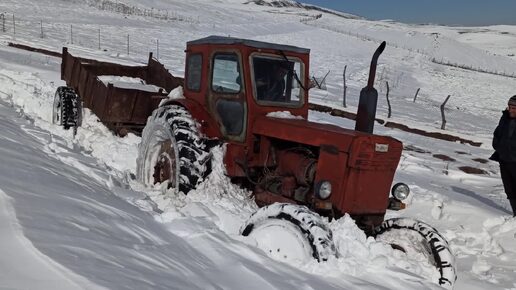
323,190
400,191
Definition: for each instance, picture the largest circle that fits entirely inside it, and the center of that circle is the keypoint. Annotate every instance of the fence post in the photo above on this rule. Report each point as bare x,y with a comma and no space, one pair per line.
3,21
417,92
443,126
127,44
157,49
99,38
41,22
345,87
14,27
71,33
388,102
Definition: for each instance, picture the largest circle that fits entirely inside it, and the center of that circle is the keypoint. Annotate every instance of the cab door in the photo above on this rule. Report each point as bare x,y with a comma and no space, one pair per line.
226,94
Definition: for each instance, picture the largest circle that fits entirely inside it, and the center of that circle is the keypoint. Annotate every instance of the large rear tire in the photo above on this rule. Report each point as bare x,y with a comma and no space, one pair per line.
172,151
417,238
290,232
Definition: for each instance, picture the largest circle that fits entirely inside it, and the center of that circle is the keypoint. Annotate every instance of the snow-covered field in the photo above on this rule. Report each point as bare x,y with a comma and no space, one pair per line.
73,217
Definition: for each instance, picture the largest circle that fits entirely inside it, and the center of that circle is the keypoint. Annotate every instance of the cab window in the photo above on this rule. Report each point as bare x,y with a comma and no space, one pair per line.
226,77
277,80
194,68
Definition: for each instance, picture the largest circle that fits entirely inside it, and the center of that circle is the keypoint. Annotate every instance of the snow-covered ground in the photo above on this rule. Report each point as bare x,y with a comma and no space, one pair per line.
73,217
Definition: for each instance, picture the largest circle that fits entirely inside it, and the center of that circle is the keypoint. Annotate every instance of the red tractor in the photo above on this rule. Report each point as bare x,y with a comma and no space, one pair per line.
252,96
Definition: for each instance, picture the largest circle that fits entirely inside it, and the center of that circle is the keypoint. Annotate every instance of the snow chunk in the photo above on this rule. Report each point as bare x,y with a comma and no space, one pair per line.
283,115
125,82
175,94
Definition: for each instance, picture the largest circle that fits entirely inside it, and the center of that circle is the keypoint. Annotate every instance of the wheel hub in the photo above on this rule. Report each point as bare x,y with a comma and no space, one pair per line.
56,118
165,166
282,240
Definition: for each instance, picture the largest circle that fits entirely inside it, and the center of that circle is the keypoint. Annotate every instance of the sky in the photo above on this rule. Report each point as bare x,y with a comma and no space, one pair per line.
456,12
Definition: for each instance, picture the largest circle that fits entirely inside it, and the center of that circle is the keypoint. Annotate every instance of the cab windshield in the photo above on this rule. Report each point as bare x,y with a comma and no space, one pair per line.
275,80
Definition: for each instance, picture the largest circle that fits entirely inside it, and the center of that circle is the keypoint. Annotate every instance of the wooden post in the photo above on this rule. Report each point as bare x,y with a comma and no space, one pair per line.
99,38
344,87
71,33
417,92
3,21
41,23
157,49
14,27
127,44
443,126
388,102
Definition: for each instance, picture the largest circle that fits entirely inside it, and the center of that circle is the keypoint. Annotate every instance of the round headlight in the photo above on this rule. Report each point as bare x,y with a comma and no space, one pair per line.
324,190
400,191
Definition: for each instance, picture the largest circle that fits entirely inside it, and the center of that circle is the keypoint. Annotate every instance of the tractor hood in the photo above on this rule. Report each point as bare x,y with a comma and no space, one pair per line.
314,134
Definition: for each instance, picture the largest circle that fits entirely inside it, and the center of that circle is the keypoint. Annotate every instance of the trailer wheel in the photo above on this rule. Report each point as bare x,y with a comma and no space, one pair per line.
421,242
172,151
66,108
290,232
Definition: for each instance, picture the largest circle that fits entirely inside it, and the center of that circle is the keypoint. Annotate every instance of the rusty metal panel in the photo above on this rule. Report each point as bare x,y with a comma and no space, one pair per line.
145,103
120,104
367,191
69,61
74,78
234,152
372,152
116,107
64,55
87,98
371,166
331,166
158,75
99,97
304,132
83,74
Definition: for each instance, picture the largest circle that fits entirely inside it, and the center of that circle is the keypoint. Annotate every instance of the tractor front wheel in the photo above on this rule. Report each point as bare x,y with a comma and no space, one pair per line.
289,232
172,151
422,243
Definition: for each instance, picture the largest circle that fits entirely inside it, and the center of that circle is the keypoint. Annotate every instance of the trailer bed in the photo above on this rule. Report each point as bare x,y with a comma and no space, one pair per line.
121,96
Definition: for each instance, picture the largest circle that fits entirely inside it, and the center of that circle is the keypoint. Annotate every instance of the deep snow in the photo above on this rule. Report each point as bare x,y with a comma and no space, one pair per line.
73,217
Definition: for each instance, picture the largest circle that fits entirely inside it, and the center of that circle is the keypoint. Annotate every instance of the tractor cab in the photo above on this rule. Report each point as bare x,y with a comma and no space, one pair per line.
236,80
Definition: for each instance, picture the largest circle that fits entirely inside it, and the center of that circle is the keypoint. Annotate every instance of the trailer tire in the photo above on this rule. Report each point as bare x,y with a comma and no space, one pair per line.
397,231
293,222
67,109
172,151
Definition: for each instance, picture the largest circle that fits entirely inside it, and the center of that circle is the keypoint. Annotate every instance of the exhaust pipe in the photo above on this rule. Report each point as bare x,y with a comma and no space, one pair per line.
368,98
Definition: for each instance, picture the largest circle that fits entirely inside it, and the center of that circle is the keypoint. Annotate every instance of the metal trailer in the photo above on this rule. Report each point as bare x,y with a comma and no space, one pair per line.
121,109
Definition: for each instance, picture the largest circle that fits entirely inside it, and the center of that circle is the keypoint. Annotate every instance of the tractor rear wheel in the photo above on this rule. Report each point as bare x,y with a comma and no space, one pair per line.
66,108
172,151
290,232
421,242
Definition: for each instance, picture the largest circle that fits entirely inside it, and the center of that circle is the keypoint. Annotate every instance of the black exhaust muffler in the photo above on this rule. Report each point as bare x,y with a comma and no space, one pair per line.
369,98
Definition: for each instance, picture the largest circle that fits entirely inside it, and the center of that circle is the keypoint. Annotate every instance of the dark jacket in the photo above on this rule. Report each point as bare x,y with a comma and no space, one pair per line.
504,140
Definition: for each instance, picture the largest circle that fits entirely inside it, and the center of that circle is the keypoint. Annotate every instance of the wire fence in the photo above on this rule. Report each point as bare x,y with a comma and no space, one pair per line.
364,37
122,8
96,37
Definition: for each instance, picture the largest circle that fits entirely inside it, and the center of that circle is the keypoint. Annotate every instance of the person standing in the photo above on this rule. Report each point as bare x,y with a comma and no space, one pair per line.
504,144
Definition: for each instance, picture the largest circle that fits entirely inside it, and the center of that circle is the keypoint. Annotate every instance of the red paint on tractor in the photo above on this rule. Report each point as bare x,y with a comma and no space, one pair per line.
281,160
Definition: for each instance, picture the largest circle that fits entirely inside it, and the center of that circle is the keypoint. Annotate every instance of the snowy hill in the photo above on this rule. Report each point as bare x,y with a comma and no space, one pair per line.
73,217
295,4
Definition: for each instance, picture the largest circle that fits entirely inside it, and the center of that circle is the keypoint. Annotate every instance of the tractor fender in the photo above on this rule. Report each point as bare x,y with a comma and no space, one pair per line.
208,125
